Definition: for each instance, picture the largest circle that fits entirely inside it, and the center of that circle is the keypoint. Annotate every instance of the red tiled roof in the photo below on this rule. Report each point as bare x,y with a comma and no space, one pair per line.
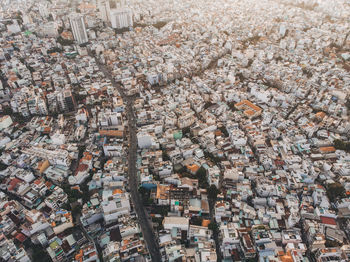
328,221
82,168
13,183
20,237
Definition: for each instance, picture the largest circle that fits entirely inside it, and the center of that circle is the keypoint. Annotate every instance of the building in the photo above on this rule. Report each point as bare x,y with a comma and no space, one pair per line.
121,18
249,109
5,122
104,8
78,28
69,100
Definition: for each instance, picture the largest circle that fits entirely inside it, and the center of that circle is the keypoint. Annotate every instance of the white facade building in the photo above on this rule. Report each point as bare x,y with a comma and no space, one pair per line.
144,140
5,122
104,8
121,18
78,28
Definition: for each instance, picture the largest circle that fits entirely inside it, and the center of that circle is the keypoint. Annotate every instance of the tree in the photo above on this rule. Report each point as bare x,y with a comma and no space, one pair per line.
159,24
196,221
202,177
335,192
73,194
39,254
76,210
214,227
145,195
186,130
341,145
165,156
213,193
164,210
330,243
224,131
64,42
54,50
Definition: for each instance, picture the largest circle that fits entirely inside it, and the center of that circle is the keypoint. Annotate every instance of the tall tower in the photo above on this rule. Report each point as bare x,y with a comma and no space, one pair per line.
121,18
120,14
104,9
78,28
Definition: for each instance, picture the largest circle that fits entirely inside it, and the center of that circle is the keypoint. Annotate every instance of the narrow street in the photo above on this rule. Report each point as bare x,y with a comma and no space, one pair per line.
145,224
215,234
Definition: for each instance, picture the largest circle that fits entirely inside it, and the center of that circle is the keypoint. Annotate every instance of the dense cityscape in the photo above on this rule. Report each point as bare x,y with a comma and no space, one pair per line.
175,130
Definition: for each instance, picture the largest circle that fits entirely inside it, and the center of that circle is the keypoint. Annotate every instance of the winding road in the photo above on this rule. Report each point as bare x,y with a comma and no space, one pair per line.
146,226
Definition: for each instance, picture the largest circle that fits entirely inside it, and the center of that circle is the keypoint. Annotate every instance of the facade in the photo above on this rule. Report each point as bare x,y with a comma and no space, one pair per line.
5,122
121,18
69,100
104,9
78,28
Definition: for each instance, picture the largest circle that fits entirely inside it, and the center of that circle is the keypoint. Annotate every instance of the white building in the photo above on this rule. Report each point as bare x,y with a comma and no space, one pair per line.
104,8
181,223
144,140
78,28
5,122
49,29
42,108
121,18
58,139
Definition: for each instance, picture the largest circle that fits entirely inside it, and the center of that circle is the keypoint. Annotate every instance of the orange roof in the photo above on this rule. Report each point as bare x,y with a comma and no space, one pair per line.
321,114
218,133
79,255
43,166
248,104
205,222
66,35
117,191
116,133
327,149
285,257
37,182
87,156
249,112
162,191
221,204
193,168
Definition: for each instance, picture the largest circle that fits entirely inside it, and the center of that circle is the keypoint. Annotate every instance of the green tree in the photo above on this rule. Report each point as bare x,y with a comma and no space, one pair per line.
201,175
335,192
341,145
214,227
196,220
213,193
64,42
76,210
39,254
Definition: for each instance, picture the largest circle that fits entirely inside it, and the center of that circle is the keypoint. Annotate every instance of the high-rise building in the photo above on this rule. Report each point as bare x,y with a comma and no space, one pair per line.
121,18
69,100
104,9
78,28
116,12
